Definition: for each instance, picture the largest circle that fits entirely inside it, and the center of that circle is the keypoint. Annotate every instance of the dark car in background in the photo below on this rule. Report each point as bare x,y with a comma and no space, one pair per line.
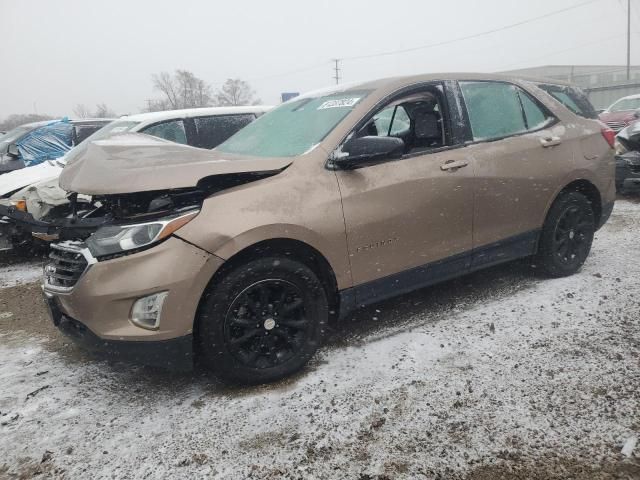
628,159
34,143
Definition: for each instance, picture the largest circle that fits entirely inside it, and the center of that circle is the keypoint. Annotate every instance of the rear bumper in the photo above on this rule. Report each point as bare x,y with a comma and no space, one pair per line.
173,354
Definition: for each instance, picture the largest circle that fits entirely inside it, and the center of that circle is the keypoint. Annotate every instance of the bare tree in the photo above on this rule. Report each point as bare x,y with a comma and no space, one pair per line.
236,92
180,90
102,111
82,111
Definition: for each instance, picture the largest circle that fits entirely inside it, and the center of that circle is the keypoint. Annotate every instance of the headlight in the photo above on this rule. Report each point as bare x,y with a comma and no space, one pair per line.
114,239
20,205
619,147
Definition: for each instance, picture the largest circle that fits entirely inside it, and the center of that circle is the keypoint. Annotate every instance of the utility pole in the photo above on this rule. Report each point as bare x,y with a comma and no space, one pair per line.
337,70
628,40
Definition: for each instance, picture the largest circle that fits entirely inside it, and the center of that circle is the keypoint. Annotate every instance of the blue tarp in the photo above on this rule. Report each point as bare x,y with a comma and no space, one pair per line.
48,142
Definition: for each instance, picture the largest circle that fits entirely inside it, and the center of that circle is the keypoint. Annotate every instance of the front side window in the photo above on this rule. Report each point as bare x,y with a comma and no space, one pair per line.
173,130
417,119
498,110
392,121
212,131
295,127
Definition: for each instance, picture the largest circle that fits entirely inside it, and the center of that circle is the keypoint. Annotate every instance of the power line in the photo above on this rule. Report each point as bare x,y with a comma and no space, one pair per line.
290,72
468,37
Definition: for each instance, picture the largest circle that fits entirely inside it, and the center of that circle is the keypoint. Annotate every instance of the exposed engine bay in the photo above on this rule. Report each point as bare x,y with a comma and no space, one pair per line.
80,218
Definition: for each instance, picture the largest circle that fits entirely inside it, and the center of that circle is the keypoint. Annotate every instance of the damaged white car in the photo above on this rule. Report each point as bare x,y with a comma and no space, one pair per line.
32,204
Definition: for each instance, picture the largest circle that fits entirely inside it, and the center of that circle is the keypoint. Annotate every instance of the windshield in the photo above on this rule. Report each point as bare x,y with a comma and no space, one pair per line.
625,104
293,128
12,135
113,128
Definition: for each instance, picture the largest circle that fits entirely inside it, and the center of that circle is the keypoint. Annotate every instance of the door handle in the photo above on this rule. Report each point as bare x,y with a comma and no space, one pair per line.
453,165
550,141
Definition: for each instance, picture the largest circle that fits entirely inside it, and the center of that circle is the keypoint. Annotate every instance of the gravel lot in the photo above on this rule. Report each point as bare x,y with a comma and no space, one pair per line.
498,375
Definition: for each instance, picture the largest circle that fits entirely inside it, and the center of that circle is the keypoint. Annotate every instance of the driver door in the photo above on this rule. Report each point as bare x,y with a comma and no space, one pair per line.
408,221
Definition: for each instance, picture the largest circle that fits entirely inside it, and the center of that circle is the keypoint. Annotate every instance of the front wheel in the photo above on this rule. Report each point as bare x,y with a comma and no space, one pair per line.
567,235
262,321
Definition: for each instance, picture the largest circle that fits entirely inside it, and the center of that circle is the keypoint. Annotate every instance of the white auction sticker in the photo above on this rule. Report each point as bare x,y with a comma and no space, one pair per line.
339,103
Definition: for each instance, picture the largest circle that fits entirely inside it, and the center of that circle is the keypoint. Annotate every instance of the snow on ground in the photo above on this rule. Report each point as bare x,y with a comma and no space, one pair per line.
21,273
495,373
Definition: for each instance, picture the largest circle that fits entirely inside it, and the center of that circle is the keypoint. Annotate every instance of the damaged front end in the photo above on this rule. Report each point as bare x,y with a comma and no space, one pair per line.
628,159
130,191
113,224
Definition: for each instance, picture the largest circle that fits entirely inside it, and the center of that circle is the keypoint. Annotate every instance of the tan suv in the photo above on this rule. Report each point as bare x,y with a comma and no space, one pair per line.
334,200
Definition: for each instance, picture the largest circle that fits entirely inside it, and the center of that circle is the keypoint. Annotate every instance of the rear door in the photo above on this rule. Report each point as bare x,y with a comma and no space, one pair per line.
520,153
404,217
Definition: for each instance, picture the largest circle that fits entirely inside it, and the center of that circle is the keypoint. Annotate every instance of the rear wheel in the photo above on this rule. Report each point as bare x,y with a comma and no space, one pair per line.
567,235
262,321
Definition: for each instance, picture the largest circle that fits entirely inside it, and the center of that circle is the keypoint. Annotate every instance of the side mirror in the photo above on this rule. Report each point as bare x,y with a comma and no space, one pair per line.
601,110
636,114
363,151
12,151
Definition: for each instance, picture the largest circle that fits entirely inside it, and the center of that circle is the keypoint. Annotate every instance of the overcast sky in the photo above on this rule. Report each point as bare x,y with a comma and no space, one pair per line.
56,54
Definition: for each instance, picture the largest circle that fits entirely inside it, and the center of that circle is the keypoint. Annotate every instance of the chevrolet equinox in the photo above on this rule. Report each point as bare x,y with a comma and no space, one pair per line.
334,200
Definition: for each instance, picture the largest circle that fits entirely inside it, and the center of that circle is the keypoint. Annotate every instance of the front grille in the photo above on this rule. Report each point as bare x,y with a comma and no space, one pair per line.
65,268
616,126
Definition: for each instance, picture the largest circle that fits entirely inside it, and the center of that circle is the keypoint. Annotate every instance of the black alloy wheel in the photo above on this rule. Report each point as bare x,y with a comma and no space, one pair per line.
262,320
266,323
567,235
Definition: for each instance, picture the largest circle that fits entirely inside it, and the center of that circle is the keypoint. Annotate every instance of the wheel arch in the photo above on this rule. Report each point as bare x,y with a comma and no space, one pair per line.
288,247
586,188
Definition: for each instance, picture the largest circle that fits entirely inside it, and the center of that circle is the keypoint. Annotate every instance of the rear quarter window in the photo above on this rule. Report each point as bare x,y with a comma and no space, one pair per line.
572,98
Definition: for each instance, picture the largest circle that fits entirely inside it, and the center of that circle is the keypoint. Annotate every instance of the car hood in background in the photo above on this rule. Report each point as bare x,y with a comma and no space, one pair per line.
134,162
18,179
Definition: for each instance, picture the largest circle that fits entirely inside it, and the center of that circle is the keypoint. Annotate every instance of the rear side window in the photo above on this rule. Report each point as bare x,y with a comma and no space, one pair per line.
494,109
173,130
535,116
498,110
572,98
212,131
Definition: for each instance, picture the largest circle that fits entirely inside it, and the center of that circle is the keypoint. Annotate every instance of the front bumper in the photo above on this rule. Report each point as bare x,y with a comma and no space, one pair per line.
174,354
96,311
628,172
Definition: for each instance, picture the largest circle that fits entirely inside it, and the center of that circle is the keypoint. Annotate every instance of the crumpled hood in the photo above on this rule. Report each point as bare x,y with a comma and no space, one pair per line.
134,162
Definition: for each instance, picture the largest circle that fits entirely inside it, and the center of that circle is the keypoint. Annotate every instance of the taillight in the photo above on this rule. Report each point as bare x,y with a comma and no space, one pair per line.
609,135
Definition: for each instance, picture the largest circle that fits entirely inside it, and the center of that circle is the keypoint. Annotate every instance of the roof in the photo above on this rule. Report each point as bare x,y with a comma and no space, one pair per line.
195,112
637,95
391,82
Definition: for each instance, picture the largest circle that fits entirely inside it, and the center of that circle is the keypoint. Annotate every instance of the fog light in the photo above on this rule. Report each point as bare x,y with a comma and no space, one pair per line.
146,311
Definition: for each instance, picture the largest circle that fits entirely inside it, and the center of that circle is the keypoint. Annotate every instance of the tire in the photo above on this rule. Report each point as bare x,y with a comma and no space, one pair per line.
567,235
262,321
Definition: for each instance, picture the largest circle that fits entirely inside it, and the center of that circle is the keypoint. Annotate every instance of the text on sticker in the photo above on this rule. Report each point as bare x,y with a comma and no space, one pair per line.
339,103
